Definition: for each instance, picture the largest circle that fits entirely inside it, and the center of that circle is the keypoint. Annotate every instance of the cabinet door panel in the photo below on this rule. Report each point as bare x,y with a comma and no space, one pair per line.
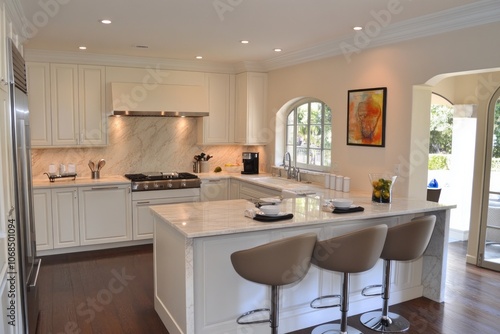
42,206
38,79
64,103
93,127
105,214
65,217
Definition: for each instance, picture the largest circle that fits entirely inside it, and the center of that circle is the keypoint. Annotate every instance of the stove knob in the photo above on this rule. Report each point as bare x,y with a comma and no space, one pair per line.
169,185
146,187
156,185
183,184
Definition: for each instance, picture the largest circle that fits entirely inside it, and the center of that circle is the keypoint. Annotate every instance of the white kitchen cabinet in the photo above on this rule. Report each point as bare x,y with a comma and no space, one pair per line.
65,217
105,214
214,190
218,128
253,192
42,208
67,102
38,80
91,105
250,114
64,104
234,189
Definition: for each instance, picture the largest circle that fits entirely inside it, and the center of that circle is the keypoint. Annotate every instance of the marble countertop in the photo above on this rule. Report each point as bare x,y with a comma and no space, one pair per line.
80,181
202,219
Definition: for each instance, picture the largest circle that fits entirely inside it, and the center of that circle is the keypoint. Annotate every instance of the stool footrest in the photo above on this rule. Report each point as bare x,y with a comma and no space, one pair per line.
371,294
315,300
246,314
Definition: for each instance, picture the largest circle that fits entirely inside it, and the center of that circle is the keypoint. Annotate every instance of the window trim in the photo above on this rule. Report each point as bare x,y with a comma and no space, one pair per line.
293,108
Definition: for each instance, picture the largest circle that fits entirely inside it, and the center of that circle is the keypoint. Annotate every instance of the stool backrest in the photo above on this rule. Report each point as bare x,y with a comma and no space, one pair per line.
354,252
276,263
408,241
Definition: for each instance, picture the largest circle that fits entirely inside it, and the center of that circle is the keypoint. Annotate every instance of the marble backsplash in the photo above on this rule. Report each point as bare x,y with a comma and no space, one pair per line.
140,144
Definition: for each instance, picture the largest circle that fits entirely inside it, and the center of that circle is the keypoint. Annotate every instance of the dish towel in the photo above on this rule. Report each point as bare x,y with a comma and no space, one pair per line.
263,218
348,210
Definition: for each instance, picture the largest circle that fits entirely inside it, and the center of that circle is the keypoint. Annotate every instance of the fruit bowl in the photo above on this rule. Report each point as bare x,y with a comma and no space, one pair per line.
232,168
382,187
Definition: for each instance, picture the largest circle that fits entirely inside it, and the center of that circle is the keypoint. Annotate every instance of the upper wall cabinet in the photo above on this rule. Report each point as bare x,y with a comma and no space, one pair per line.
218,128
250,115
68,102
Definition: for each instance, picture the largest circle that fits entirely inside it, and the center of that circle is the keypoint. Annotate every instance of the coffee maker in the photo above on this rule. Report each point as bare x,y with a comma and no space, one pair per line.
250,163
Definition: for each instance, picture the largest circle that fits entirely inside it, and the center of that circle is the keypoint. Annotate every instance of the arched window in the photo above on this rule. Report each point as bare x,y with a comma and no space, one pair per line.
309,135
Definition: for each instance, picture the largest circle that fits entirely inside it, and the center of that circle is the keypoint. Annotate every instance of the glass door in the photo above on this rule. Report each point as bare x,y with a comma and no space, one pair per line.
489,247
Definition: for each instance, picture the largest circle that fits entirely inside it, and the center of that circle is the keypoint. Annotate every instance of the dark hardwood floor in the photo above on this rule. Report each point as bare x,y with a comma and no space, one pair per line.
111,292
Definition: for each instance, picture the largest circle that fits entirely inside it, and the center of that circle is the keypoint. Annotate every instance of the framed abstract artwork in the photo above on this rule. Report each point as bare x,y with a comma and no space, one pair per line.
366,116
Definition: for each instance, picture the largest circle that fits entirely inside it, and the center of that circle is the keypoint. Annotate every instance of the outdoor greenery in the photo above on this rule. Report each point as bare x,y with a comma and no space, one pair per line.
441,129
441,137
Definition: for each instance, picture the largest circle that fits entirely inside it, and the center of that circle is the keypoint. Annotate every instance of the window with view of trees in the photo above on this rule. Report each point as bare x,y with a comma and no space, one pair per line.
309,135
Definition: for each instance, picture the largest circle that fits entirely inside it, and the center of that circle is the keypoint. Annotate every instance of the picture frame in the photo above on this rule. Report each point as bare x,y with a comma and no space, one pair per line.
366,114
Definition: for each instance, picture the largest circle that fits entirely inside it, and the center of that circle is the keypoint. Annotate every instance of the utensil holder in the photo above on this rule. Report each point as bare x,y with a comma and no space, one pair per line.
96,174
205,166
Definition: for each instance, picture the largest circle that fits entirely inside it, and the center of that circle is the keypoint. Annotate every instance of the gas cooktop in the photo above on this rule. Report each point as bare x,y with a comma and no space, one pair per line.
163,181
150,176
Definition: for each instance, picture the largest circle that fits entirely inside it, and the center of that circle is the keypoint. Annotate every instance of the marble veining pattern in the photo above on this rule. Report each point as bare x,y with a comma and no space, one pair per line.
139,144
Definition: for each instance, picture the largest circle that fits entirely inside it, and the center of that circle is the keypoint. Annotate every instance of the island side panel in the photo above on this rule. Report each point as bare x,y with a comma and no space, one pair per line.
173,278
436,258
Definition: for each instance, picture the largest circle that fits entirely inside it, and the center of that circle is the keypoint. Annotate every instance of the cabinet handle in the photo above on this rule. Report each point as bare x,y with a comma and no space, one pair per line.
145,202
214,181
104,188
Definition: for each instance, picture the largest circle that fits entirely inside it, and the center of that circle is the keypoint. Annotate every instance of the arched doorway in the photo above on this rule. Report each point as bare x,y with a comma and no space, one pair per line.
489,242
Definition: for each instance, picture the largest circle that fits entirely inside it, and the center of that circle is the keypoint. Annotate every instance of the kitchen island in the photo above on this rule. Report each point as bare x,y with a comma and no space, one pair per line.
198,291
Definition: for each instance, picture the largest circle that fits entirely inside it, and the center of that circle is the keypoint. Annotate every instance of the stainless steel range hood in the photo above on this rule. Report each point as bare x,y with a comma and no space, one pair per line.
138,99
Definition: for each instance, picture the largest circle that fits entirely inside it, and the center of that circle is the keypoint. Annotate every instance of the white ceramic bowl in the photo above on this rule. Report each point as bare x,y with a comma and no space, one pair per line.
270,210
342,203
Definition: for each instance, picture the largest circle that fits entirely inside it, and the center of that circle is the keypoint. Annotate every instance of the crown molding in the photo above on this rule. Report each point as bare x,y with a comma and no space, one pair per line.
475,14
126,61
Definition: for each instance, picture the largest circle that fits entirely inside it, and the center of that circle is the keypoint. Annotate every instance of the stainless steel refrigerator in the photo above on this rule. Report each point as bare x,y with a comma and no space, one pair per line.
28,265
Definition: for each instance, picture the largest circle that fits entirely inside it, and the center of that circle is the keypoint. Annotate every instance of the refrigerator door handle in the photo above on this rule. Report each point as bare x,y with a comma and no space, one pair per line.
33,284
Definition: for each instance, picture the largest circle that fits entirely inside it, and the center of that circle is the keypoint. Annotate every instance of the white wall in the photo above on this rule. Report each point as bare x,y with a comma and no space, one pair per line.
398,67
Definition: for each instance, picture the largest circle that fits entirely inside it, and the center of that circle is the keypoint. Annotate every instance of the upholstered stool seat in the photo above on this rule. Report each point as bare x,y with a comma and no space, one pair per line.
349,253
277,263
404,242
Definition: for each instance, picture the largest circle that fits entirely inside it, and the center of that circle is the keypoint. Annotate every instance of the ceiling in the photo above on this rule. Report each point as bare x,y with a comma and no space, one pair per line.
184,29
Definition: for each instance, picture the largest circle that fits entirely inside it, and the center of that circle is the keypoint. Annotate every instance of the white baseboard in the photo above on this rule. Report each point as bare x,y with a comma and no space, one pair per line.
458,235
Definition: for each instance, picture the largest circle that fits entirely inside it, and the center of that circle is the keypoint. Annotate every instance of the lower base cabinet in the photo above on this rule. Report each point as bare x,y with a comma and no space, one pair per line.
77,216
104,213
214,190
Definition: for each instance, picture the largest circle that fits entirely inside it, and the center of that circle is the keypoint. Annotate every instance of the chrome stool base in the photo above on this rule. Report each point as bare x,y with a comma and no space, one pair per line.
393,324
334,329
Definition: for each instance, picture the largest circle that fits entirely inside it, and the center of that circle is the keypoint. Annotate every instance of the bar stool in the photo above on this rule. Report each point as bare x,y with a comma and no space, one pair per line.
404,243
277,263
350,253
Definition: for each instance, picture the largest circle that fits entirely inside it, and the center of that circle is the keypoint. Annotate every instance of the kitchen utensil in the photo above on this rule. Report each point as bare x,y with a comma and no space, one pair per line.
101,164
91,165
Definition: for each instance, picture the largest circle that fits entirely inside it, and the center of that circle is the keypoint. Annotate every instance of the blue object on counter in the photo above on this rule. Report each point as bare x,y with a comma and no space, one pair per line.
433,184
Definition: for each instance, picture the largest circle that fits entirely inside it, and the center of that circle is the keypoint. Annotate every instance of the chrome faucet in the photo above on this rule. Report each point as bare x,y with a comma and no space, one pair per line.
292,172
288,167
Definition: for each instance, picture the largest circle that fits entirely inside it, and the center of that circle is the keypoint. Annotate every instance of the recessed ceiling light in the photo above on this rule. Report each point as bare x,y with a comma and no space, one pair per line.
358,28
244,42
82,47
277,50
106,21
199,57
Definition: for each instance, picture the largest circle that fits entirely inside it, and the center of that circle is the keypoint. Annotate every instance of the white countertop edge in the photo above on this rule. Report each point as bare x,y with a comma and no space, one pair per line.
206,229
80,181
